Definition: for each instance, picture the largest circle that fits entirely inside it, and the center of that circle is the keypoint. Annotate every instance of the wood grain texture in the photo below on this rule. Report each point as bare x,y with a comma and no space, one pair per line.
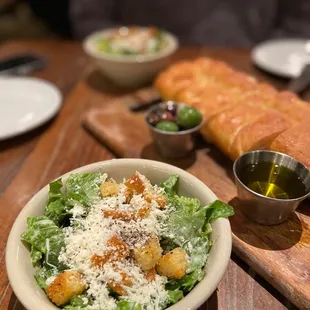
58,151
65,146
281,254
29,162
237,291
66,64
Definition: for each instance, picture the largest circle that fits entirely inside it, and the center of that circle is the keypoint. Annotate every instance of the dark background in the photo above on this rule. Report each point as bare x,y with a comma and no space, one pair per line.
34,19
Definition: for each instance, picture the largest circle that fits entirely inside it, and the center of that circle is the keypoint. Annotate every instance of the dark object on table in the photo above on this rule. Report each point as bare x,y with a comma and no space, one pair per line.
21,64
301,83
140,106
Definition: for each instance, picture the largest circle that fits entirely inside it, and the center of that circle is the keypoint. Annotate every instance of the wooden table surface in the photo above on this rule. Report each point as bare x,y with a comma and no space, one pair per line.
32,160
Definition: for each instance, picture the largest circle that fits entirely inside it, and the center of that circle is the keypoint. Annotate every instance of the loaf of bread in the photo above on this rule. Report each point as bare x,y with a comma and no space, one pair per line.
289,104
295,142
259,134
224,127
240,113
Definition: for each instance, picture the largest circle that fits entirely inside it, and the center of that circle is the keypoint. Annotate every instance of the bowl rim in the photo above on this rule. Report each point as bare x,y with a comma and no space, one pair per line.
91,50
191,301
237,176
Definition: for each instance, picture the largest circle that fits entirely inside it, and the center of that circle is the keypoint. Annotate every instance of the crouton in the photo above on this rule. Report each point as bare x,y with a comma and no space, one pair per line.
150,275
118,215
135,183
127,216
148,255
66,285
118,251
128,195
118,287
173,264
108,188
119,246
160,199
100,260
143,212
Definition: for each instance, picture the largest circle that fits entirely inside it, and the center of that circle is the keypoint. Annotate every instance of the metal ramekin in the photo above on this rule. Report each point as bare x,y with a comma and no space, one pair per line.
259,208
172,144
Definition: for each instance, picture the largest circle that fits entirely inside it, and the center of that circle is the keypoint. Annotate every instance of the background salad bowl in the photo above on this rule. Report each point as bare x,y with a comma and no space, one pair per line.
18,261
130,70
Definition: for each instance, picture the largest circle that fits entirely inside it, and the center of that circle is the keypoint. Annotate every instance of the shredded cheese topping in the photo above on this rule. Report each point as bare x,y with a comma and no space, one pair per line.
90,236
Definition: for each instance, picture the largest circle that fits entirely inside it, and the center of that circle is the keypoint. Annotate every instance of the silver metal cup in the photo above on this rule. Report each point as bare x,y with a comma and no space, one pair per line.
171,144
262,209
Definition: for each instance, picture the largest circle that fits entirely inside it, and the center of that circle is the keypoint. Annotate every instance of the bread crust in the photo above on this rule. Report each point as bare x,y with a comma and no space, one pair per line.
295,142
240,113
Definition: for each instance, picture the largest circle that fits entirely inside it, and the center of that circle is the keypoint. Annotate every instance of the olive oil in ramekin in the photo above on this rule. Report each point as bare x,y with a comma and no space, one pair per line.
272,180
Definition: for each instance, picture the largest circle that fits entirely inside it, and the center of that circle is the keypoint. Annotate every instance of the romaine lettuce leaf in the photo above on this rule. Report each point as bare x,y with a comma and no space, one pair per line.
46,237
84,187
187,283
56,205
218,209
36,255
81,189
160,38
69,307
78,302
188,226
42,274
185,221
198,250
55,190
171,185
174,296
128,305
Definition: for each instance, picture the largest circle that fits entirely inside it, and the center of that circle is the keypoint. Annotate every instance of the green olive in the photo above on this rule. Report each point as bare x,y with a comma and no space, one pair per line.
189,117
167,126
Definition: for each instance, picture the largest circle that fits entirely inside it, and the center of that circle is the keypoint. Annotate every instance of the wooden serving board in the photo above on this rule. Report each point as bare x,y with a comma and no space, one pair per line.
281,254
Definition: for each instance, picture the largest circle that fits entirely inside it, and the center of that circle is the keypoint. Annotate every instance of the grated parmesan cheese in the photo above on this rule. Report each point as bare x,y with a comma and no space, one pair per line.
50,280
150,295
77,210
89,235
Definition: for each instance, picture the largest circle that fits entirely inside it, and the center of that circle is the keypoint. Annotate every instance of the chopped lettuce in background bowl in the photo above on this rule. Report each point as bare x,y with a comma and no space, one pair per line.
199,230
132,41
130,64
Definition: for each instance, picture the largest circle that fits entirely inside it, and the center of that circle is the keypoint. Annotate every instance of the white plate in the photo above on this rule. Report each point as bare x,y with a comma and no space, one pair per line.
26,103
285,57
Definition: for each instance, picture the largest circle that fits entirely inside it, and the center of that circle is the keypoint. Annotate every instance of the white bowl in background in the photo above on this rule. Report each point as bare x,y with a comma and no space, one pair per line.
130,70
18,262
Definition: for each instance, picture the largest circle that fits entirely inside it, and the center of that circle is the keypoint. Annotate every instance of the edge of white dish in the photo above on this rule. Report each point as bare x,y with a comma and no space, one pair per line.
39,122
20,270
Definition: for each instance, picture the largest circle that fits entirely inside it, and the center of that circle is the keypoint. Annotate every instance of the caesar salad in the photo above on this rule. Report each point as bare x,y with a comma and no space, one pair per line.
124,246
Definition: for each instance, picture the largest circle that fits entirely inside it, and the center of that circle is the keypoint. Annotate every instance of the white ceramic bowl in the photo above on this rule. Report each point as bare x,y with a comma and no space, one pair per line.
20,270
129,70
